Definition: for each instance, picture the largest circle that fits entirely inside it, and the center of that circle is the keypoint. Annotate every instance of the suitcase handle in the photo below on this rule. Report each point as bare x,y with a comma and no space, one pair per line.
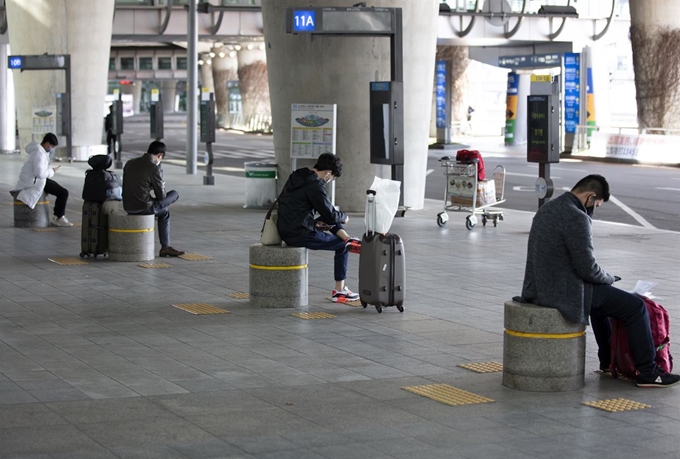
371,214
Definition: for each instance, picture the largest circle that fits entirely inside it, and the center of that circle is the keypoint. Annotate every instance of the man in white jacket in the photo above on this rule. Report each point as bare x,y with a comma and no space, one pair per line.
35,178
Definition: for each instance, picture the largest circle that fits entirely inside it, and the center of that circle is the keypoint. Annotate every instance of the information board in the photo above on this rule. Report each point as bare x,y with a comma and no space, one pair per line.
440,93
542,130
341,20
44,120
312,130
572,91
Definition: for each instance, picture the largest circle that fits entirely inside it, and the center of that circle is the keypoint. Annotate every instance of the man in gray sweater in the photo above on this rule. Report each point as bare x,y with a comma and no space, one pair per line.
562,273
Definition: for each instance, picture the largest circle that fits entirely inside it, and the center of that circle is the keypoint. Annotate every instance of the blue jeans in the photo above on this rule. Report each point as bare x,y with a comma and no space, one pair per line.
159,208
318,240
610,301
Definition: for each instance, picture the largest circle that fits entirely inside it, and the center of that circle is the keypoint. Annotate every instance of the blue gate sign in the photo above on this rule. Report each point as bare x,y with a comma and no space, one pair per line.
16,62
572,91
304,21
440,93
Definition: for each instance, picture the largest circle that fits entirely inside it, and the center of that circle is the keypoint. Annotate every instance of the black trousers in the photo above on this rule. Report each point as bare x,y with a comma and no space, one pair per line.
160,209
61,193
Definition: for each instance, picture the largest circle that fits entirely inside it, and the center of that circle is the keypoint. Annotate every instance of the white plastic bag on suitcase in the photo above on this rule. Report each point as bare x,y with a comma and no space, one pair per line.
386,204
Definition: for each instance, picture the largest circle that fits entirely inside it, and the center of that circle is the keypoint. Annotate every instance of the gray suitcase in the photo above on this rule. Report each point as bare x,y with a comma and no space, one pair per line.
95,230
382,269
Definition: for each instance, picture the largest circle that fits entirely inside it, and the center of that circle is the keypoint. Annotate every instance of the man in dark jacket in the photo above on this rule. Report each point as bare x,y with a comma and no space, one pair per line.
108,127
141,176
304,194
562,273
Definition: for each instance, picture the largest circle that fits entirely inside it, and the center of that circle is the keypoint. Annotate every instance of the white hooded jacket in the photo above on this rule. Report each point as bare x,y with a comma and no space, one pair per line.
34,174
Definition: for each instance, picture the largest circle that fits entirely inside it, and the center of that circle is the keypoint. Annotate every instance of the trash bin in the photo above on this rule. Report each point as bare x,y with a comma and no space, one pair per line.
260,184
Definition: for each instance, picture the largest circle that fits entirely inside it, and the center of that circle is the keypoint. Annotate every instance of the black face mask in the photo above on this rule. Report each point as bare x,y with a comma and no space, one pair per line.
590,209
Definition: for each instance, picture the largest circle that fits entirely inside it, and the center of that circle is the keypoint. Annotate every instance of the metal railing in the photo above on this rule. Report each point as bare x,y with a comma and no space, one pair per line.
252,123
645,145
584,133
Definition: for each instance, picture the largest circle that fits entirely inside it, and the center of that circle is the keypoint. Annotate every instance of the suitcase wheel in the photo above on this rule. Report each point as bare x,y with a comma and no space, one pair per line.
364,304
82,255
378,308
400,307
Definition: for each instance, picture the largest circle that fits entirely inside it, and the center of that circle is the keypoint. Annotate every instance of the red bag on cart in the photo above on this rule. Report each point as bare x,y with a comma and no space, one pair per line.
467,156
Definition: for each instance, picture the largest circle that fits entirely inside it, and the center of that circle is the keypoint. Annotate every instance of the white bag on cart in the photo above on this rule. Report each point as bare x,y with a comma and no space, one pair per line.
386,204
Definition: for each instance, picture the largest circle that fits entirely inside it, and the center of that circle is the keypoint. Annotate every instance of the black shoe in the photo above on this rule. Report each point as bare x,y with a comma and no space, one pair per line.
170,252
657,379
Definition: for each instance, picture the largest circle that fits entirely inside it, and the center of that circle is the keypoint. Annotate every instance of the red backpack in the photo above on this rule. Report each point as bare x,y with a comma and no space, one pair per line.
622,360
467,156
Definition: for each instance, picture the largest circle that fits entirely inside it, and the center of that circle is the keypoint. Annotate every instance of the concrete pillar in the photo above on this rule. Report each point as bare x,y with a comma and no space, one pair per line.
8,142
81,28
136,90
169,92
338,70
655,39
521,126
206,72
253,81
224,67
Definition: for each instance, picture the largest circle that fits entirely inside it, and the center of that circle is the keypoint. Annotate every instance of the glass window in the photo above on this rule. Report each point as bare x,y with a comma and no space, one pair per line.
112,63
181,63
165,63
133,2
127,63
146,63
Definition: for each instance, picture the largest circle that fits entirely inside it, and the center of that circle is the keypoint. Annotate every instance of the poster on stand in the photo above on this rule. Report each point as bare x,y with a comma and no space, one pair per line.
313,130
44,120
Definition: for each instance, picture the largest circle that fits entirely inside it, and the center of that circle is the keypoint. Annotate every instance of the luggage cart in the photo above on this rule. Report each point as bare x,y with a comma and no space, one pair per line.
462,193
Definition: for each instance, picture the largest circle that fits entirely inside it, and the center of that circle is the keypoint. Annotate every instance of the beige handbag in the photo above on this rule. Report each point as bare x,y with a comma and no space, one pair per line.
269,234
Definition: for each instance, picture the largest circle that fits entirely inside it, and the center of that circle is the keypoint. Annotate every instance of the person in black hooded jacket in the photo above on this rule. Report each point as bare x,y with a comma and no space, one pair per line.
304,194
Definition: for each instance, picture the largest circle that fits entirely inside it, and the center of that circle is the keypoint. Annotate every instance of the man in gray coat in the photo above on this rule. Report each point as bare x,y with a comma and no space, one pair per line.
141,177
562,273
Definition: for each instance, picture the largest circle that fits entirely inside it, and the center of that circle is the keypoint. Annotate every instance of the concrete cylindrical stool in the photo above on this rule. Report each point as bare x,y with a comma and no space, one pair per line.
542,352
25,217
130,237
278,276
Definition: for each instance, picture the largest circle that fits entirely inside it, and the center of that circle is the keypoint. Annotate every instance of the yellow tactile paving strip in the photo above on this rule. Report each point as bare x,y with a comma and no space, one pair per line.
354,303
616,405
44,230
200,308
483,367
448,395
67,261
239,295
313,315
194,257
154,265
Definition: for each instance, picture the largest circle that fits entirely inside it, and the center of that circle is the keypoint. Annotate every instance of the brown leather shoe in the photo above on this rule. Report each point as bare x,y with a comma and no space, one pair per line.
170,252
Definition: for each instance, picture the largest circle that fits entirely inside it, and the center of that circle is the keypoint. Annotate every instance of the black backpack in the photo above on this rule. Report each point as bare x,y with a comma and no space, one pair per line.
100,184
